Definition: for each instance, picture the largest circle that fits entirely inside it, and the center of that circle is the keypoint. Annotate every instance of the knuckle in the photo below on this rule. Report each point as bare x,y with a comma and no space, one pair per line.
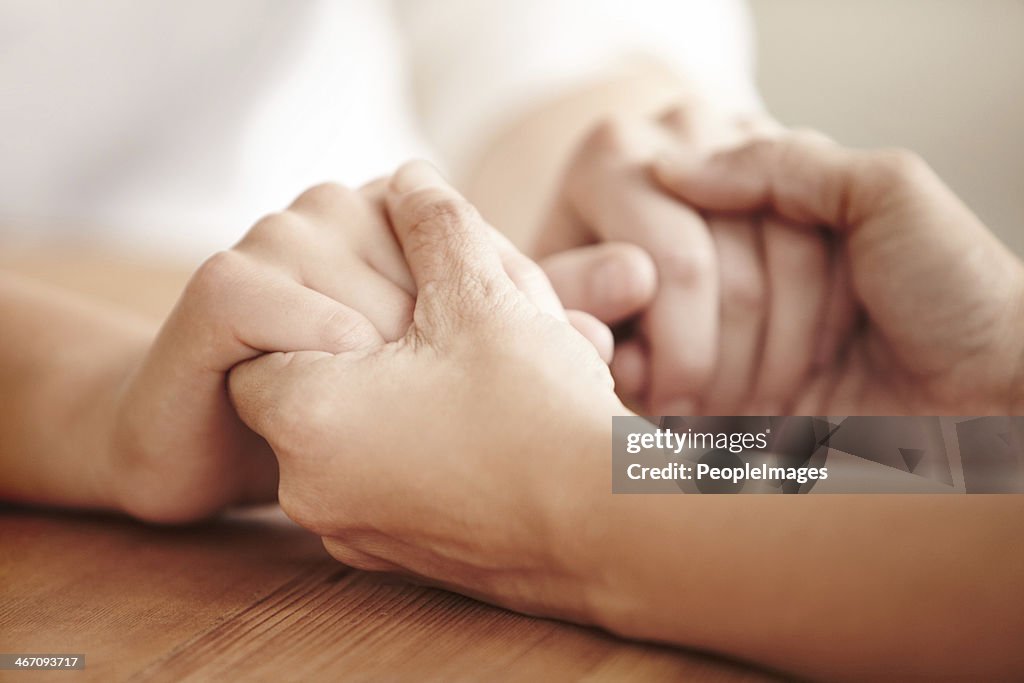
689,268
899,167
323,197
686,119
677,116
435,214
611,134
223,271
276,230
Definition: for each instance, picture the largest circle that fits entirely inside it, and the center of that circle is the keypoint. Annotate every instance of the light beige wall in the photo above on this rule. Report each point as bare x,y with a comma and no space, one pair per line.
943,77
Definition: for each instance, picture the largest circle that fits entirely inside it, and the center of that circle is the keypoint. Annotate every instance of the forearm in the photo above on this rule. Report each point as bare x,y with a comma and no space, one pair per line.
825,586
64,362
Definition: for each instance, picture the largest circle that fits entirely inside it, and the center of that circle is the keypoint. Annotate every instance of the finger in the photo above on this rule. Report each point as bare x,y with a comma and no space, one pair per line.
270,312
528,277
800,177
447,245
379,248
694,122
352,221
630,367
682,322
744,302
611,192
839,317
386,305
612,280
596,332
261,388
702,127
797,272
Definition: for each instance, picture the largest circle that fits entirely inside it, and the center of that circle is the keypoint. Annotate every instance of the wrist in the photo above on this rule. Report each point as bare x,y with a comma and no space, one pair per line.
108,414
64,359
577,500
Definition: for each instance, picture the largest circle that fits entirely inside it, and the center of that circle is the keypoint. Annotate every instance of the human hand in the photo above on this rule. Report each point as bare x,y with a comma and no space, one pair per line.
440,454
943,299
294,282
741,310
178,450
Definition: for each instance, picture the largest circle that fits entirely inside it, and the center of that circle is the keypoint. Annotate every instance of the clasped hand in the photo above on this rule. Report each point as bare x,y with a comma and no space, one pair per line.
443,452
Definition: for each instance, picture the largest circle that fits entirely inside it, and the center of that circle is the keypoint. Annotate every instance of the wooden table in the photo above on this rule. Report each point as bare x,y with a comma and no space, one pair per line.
254,597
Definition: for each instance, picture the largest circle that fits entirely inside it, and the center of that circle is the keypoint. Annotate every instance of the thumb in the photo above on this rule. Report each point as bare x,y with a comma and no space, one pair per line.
448,246
802,177
260,388
612,281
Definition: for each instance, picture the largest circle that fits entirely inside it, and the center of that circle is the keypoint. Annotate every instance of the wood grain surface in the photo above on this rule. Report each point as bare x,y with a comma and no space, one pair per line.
253,597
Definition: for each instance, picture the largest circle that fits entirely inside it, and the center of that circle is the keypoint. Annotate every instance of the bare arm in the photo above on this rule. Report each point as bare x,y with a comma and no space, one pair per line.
63,360
838,587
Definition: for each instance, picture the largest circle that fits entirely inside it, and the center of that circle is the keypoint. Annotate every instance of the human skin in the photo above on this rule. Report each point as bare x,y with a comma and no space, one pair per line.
762,299
747,306
145,424
517,509
939,296
148,429
125,387
571,175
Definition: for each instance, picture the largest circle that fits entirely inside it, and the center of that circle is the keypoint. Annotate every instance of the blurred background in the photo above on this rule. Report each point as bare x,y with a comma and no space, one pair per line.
942,77
140,123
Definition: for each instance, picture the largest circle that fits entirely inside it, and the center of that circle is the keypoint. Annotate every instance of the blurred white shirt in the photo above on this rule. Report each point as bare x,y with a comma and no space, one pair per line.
172,126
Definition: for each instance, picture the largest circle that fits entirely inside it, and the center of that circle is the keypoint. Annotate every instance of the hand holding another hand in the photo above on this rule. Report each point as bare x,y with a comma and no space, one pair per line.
178,450
943,299
325,275
439,453
744,304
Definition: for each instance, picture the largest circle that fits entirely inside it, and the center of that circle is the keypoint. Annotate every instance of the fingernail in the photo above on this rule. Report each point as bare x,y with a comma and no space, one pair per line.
681,408
416,175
